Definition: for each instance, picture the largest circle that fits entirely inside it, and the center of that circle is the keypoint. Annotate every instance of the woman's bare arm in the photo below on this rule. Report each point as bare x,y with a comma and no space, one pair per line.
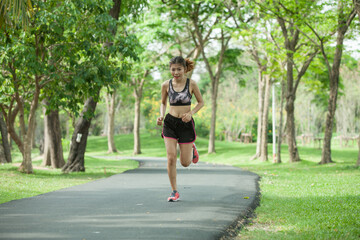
164,97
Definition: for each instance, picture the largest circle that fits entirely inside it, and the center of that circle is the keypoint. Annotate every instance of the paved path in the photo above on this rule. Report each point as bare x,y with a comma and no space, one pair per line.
133,205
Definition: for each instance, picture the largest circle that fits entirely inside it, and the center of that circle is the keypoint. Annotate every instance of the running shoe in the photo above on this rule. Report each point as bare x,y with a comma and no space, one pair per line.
195,154
174,197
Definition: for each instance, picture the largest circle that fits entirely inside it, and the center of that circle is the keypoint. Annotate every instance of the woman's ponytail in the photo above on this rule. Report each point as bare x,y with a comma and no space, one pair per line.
190,65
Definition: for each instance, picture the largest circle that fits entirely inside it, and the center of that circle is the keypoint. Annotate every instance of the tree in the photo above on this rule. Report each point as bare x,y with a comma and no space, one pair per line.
265,118
110,99
344,21
224,39
253,39
358,161
262,51
291,37
17,93
289,15
261,91
4,144
63,50
53,152
128,11
280,131
138,84
259,33
76,159
341,21
117,47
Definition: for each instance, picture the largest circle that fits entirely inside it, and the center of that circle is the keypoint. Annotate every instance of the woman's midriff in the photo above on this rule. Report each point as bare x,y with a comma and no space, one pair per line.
178,111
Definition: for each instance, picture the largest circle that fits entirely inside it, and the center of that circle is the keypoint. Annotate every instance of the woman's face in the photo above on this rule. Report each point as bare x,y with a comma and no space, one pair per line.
177,71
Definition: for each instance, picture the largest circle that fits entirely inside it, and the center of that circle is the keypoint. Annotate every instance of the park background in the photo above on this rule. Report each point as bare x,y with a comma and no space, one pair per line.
82,79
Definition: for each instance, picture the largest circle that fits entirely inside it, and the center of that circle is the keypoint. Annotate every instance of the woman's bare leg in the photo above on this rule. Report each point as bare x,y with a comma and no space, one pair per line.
171,153
186,154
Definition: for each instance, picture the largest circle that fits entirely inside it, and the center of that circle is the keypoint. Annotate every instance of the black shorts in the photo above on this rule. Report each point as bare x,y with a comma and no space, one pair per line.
177,129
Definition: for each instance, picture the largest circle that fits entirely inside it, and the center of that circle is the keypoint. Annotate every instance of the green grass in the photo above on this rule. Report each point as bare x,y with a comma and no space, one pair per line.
302,200
306,201
151,145
16,185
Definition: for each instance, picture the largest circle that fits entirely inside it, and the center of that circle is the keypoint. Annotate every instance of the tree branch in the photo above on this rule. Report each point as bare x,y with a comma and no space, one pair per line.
304,68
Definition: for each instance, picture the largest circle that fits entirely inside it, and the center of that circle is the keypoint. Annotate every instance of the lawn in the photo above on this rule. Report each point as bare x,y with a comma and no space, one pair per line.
302,200
16,185
306,201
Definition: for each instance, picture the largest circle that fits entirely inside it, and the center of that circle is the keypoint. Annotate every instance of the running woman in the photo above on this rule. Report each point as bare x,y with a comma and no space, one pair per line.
179,126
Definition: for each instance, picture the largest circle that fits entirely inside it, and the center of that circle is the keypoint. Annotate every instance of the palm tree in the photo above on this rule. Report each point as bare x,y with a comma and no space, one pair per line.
14,10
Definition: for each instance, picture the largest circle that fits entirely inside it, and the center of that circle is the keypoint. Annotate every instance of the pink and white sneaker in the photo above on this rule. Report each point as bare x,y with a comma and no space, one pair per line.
195,154
174,197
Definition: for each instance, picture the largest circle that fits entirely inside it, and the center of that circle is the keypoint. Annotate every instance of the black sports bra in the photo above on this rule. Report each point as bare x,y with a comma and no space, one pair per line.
182,98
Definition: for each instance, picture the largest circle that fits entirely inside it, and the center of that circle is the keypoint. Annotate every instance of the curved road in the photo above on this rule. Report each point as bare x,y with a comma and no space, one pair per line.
133,205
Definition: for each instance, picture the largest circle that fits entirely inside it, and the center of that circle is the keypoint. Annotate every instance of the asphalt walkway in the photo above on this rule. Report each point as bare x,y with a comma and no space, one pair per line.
133,205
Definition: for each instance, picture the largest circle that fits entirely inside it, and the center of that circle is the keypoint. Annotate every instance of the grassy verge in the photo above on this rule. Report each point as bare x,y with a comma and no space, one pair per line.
298,201
16,185
303,200
306,201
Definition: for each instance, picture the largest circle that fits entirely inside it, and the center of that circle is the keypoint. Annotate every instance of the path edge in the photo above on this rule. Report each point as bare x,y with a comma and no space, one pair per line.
245,217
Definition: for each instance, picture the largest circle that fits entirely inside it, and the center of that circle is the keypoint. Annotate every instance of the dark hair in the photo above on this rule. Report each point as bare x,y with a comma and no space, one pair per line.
187,63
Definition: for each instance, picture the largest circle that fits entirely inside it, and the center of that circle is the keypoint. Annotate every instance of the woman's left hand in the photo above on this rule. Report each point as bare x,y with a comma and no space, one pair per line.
186,117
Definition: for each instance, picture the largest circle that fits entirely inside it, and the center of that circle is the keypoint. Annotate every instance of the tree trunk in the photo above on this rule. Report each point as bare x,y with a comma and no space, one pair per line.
110,104
358,161
53,151
357,7
291,138
26,165
47,155
291,37
326,151
2,155
265,120
278,159
261,90
115,10
137,146
33,141
211,147
138,84
334,72
290,110
5,143
76,161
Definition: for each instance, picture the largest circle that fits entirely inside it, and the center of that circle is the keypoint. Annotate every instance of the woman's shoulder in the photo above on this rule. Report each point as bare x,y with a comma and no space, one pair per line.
166,83
193,82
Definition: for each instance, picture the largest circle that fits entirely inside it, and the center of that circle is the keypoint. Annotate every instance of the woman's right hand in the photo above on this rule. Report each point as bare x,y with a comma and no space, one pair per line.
160,120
